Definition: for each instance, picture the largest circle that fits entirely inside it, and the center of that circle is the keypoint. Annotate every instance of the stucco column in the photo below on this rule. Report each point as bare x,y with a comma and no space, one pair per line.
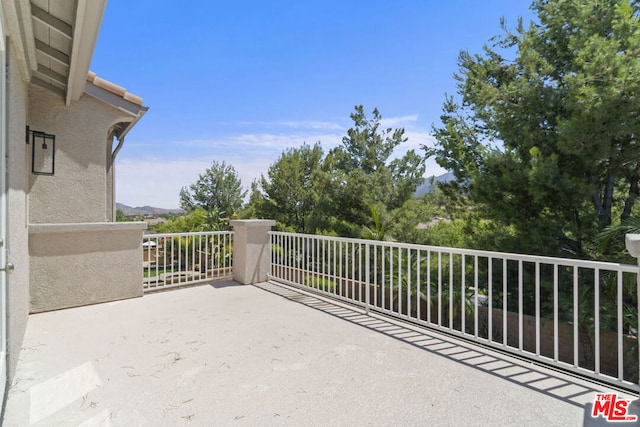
633,246
251,250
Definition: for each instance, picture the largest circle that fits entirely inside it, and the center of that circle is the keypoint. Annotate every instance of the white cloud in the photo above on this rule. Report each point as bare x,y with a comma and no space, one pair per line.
297,124
157,182
398,121
416,139
311,124
264,141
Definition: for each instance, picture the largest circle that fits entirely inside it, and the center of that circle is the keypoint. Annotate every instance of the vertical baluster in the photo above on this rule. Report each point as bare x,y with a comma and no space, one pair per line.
451,268
429,286
576,361
334,269
596,318
399,280
620,330
375,275
505,331
391,281
367,278
463,279
439,288
476,284
555,312
353,270
408,282
520,304
418,290
340,269
360,277
384,276
537,285
490,299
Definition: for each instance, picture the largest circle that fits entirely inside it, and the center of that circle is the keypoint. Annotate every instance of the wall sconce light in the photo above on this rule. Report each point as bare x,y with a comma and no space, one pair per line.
43,152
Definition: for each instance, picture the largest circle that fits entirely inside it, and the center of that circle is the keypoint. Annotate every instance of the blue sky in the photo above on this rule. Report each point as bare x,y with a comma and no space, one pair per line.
242,81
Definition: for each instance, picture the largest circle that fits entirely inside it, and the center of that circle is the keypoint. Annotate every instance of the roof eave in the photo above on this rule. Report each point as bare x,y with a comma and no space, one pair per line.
17,15
133,122
89,14
116,101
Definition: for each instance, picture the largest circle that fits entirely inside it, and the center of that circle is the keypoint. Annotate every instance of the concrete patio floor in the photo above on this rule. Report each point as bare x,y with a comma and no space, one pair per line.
227,354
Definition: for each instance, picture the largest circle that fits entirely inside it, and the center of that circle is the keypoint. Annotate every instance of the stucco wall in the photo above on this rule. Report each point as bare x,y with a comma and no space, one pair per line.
251,249
81,264
76,193
17,231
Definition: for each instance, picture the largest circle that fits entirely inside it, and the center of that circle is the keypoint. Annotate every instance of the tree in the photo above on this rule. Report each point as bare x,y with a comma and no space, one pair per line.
547,141
420,216
339,193
192,221
218,191
365,177
288,194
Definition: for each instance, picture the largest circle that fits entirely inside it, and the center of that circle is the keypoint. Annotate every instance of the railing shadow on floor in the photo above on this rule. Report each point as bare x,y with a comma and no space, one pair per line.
551,382
214,283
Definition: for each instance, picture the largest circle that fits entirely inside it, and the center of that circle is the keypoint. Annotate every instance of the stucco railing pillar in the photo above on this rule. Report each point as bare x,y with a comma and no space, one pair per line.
632,242
251,250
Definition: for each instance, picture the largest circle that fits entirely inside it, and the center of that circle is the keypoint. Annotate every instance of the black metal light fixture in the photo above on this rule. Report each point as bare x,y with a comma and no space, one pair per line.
43,152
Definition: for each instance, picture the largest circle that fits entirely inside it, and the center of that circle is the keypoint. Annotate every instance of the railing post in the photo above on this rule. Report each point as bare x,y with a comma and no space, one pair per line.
251,250
633,246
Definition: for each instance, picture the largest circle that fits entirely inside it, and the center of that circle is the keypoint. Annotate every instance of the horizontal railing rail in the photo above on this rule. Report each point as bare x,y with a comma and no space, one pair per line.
179,259
578,315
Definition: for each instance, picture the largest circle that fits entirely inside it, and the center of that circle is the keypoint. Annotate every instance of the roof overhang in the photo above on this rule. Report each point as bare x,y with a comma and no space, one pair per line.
117,97
55,41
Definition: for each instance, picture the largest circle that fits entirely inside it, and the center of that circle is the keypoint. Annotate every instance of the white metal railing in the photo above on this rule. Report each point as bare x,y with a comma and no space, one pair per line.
574,314
178,259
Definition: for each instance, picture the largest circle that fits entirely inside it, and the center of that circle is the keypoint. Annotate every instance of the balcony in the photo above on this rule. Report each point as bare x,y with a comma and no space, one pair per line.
331,331
266,354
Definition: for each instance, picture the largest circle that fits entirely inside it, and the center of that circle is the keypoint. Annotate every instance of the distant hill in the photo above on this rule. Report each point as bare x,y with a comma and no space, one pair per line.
425,187
145,210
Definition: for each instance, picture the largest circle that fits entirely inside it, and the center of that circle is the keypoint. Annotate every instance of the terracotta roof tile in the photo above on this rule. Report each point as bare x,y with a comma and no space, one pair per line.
113,88
132,98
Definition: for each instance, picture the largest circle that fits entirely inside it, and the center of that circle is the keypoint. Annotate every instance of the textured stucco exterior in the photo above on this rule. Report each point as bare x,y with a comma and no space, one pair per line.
17,217
79,264
251,250
79,258
79,190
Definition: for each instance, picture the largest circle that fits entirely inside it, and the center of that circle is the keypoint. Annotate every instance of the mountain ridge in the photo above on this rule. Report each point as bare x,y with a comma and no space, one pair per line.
428,183
145,210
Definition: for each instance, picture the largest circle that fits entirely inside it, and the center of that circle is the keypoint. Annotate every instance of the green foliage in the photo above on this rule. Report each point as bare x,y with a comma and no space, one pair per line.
320,283
195,220
335,194
380,226
545,138
445,233
288,195
419,216
612,239
218,191
363,173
